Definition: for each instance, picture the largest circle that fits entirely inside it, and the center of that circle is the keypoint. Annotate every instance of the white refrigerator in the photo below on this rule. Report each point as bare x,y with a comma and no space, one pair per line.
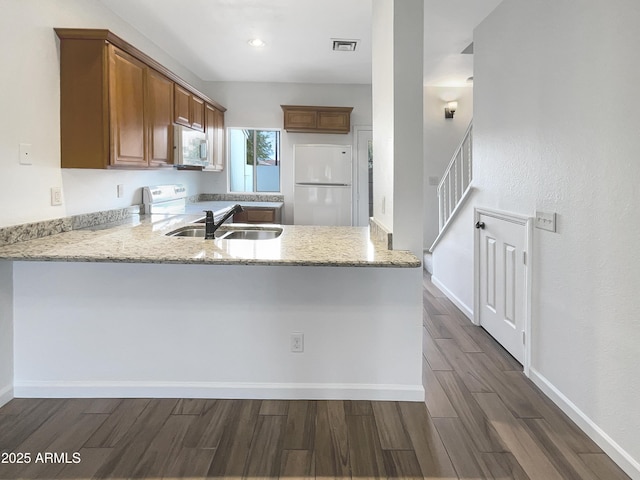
323,185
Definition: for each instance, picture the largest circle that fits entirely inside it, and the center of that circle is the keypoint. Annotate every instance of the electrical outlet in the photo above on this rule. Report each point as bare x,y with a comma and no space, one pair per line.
56,196
120,190
297,342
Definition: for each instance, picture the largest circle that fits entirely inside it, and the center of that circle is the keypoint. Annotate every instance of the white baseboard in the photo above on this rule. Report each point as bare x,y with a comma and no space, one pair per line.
6,394
468,312
625,461
312,391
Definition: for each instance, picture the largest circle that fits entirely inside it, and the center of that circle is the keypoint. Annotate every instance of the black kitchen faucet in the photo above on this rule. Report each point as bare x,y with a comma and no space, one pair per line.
210,224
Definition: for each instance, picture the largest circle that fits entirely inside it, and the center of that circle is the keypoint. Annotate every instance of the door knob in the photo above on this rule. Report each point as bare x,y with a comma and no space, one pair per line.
480,225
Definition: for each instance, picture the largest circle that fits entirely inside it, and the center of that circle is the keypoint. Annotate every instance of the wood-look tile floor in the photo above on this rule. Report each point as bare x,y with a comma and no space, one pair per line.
482,419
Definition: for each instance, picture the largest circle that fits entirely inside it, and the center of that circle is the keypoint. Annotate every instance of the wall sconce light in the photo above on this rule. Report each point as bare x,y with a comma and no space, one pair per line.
450,109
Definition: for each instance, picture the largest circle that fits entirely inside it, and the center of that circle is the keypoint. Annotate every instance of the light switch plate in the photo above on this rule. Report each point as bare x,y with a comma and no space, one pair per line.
546,221
25,154
56,196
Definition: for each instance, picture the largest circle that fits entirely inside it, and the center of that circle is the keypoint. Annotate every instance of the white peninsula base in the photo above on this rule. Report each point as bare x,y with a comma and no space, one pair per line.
216,331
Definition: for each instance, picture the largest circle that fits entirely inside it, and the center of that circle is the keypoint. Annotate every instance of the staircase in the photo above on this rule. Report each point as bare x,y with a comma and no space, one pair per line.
455,184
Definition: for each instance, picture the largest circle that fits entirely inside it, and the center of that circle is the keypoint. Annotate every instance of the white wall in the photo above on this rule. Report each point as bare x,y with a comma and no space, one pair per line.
30,100
87,190
382,79
257,105
6,332
398,118
108,330
556,129
441,138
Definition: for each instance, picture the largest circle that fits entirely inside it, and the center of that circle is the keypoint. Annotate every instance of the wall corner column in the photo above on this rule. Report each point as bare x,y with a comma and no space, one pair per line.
397,84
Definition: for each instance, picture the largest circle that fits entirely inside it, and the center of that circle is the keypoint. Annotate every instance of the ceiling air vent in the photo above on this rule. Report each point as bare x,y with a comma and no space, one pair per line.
344,45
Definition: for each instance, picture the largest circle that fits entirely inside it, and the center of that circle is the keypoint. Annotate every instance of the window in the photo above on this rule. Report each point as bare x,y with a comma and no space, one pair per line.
254,160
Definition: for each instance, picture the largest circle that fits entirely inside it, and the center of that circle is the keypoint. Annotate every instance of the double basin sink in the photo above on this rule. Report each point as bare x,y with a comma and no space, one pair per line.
225,232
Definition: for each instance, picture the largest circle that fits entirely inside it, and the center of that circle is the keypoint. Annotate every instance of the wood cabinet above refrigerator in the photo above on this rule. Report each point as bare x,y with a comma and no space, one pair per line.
312,119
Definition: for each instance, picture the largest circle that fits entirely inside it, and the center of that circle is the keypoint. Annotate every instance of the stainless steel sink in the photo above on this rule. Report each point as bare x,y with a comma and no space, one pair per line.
229,233
251,234
191,231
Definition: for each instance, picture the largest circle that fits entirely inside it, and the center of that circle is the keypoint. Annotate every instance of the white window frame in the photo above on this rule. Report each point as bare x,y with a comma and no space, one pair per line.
228,161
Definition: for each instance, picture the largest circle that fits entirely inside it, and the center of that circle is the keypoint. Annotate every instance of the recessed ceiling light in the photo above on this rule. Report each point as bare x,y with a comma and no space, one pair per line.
256,42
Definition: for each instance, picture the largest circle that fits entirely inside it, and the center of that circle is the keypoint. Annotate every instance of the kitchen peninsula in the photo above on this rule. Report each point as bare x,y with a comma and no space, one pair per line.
130,312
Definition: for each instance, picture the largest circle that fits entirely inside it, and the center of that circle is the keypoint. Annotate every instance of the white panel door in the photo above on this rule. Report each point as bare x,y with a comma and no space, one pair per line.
329,164
322,205
502,281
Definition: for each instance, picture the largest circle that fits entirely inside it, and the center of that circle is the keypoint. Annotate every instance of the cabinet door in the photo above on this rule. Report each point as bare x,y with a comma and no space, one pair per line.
300,119
255,215
197,113
214,124
334,121
219,151
126,101
210,130
182,106
159,118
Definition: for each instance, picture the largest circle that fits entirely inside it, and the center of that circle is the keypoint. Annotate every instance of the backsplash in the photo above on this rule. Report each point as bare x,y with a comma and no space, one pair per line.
379,234
234,197
31,231
107,216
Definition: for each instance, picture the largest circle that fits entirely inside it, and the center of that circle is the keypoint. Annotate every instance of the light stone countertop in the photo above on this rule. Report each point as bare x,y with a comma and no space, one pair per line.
143,240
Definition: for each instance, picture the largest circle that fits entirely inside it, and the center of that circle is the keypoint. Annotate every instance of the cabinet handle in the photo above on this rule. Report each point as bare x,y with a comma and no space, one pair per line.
480,225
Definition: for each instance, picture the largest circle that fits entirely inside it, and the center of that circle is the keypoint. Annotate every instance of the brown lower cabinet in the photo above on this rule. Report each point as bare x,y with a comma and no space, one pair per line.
256,215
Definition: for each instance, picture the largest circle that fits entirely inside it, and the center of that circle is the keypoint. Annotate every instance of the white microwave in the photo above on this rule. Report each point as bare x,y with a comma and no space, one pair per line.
190,148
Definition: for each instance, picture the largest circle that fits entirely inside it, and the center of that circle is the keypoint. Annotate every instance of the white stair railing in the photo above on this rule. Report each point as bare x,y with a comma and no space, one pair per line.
456,181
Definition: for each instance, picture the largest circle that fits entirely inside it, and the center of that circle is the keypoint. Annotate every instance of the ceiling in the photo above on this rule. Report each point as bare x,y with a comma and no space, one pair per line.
210,37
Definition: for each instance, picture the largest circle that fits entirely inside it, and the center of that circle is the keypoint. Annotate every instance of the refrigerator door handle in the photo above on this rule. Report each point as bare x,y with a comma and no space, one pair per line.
309,184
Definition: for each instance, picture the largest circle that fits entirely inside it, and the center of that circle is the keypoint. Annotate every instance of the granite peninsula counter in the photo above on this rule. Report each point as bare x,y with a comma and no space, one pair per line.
144,241
126,311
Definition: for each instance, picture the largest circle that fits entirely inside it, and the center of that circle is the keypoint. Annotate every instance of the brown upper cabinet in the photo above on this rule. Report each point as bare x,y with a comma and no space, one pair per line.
159,119
214,128
188,109
117,104
311,119
127,78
